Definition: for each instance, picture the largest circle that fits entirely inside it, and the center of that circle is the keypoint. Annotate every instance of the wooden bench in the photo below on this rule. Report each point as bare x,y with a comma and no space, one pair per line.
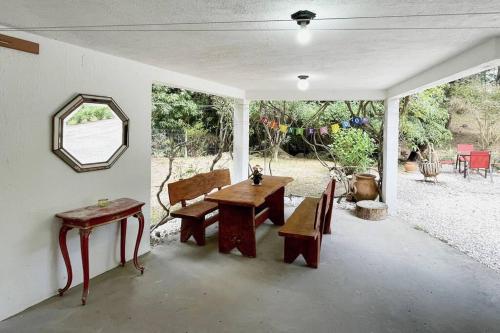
304,229
194,221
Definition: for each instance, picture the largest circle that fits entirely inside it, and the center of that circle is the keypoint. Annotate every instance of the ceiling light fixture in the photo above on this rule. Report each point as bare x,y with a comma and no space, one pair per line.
303,84
303,18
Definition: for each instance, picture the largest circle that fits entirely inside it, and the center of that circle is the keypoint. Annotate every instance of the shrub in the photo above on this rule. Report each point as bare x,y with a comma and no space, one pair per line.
89,113
353,149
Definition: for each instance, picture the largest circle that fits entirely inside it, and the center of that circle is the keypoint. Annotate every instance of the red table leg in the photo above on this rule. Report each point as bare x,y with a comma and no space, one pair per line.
237,229
64,250
140,217
84,246
276,204
123,236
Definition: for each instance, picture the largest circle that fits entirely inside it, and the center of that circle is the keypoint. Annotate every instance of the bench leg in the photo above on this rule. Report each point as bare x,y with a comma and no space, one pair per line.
293,247
195,228
309,249
311,252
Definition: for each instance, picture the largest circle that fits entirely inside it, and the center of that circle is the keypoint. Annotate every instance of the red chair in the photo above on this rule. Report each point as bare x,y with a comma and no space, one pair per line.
463,150
478,160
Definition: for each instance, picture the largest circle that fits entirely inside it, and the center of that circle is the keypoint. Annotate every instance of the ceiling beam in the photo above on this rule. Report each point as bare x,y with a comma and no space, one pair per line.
474,60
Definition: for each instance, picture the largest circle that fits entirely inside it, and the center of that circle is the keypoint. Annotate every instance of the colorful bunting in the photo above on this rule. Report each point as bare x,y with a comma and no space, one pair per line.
334,128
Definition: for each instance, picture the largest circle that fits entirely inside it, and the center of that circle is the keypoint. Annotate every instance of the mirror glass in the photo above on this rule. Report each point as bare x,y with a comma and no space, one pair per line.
90,133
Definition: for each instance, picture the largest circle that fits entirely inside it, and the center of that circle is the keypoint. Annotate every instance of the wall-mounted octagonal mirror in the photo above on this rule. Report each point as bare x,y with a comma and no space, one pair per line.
90,133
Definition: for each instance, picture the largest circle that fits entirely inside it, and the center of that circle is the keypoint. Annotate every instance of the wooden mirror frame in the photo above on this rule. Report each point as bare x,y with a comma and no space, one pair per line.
57,132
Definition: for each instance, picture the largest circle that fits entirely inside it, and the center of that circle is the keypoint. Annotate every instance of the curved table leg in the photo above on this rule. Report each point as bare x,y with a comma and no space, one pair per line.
140,217
64,250
84,245
123,231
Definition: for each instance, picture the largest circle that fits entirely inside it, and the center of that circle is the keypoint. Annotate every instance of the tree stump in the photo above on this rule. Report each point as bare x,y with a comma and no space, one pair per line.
371,210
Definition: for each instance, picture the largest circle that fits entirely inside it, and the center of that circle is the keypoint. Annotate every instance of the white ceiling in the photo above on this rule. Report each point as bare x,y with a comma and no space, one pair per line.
270,60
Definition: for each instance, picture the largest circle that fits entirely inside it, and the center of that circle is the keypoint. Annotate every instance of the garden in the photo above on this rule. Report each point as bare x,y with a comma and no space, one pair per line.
192,133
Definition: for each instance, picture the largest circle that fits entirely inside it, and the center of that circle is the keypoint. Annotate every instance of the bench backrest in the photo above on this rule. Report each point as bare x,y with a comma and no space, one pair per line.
319,221
200,184
330,192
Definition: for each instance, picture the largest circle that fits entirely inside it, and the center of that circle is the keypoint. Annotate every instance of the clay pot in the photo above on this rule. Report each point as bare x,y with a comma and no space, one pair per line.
365,187
410,166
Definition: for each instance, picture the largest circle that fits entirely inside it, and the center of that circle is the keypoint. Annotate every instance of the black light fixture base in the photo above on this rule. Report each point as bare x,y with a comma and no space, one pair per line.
303,17
303,77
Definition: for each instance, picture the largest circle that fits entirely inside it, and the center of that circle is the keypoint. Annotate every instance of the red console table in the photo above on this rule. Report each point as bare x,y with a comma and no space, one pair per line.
87,218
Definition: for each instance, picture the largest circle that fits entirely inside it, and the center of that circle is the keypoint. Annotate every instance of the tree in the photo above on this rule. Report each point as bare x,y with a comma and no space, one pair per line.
483,102
424,119
224,108
173,109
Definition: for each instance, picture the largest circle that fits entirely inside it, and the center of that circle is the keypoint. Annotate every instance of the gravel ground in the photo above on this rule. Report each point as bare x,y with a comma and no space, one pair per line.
463,213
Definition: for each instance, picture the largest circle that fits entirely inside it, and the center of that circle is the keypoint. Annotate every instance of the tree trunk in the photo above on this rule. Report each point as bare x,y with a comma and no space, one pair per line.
276,150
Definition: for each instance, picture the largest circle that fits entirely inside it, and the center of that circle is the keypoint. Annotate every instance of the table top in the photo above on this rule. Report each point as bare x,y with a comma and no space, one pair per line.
246,194
90,215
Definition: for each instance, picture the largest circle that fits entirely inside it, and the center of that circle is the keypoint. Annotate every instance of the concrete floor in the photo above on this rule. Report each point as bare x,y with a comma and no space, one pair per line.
373,277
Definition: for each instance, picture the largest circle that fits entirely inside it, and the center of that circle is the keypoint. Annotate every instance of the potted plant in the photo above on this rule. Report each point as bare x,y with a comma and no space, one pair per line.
257,175
353,149
410,166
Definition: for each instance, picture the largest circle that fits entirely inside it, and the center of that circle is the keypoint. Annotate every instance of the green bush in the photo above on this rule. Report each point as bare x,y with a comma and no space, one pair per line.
353,149
89,113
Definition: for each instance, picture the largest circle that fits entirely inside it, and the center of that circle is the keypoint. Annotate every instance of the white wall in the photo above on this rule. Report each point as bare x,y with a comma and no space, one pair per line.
35,184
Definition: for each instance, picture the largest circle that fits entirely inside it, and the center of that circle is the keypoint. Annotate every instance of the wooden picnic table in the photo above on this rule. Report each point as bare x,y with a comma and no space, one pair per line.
243,207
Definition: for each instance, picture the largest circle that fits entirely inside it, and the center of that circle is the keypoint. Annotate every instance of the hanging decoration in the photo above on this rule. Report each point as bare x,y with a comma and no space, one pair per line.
346,124
357,121
323,130
335,128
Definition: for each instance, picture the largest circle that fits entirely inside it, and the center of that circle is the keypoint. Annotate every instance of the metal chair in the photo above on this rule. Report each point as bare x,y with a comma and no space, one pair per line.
478,160
462,149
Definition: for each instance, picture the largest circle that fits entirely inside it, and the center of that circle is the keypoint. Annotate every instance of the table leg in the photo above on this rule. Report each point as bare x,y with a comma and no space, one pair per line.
237,229
140,217
64,250
276,204
123,236
84,247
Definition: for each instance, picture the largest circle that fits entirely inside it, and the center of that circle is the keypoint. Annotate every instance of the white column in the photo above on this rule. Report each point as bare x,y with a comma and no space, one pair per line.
391,141
240,141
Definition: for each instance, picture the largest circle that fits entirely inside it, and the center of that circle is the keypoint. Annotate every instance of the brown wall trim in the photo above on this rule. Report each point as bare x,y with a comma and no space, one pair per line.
19,44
